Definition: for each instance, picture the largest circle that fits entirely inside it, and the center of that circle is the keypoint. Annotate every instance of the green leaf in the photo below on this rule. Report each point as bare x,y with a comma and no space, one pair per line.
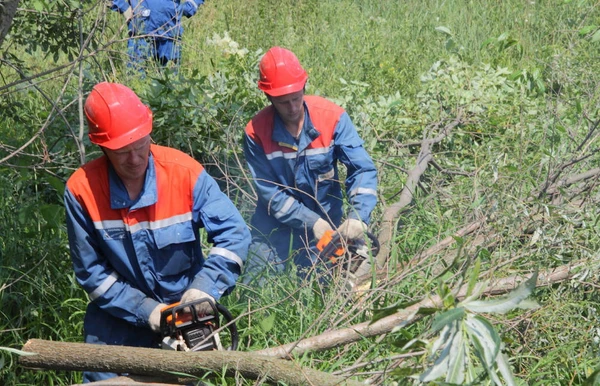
484,254
596,36
402,372
503,37
587,29
505,371
427,310
474,277
439,368
447,318
18,352
485,339
528,304
456,364
441,364
53,214
593,379
38,5
267,323
446,335
444,30
506,303
486,42
383,312
402,337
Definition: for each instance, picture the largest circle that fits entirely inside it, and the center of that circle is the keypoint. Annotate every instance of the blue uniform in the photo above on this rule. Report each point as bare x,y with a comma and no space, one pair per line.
131,255
155,28
297,181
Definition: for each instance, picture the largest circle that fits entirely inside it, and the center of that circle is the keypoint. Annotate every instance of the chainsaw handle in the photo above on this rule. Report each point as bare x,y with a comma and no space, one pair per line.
232,327
330,245
174,315
375,245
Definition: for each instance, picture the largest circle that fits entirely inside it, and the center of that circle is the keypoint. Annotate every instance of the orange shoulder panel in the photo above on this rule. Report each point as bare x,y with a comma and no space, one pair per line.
89,185
324,116
176,176
260,126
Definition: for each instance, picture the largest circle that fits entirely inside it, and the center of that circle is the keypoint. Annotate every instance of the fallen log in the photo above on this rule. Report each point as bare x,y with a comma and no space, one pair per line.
164,363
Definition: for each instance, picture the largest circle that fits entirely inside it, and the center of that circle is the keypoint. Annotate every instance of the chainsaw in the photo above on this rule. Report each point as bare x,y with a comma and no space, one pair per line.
183,328
351,256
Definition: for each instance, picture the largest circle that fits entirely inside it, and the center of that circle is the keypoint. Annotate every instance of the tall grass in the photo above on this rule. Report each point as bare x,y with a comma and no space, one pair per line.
390,44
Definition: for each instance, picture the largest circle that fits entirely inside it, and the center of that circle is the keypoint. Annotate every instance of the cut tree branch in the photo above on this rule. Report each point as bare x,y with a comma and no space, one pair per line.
390,213
159,363
331,339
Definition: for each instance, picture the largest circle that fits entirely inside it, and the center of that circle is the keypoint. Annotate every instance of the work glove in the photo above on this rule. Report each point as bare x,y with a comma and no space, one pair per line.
154,319
128,14
352,229
320,227
194,294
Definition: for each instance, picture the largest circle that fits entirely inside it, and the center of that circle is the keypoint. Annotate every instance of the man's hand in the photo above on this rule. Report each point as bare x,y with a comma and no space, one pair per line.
352,229
154,319
128,14
320,227
194,294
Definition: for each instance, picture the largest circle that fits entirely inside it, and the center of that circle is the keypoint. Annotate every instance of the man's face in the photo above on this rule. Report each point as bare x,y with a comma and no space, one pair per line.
290,107
130,162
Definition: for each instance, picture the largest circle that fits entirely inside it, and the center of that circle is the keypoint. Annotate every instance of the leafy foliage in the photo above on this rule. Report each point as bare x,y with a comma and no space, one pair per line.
51,27
466,336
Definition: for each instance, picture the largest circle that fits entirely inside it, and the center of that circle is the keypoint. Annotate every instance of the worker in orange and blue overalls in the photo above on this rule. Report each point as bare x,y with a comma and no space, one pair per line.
293,148
134,218
155,29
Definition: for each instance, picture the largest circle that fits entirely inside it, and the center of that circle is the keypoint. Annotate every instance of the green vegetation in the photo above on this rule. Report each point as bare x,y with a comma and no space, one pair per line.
520,78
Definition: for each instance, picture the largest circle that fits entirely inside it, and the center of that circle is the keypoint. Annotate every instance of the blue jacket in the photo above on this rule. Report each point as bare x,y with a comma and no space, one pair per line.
160,19
129,256
297,181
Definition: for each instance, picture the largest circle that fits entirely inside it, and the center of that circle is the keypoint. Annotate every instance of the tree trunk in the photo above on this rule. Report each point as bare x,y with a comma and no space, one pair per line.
155,362
8,8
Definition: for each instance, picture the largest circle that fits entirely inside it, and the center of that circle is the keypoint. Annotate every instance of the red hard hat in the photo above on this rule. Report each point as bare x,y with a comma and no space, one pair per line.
116,116
281,72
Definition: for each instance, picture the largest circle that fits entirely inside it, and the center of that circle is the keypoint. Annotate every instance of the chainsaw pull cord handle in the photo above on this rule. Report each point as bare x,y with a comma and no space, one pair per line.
232,327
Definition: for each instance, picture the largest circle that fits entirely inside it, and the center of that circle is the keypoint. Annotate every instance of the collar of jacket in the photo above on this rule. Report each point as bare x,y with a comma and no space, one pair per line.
283,137
119,198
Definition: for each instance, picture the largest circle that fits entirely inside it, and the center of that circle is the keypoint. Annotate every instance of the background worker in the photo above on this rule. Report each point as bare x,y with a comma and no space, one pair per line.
292,148
155,29
133,221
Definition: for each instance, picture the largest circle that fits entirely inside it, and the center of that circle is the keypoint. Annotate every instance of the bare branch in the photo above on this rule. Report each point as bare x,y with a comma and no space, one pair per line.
406,316
391,212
